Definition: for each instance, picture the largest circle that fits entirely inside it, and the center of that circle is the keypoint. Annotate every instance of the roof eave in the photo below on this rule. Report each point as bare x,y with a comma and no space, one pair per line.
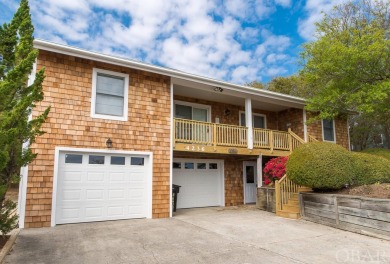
73,51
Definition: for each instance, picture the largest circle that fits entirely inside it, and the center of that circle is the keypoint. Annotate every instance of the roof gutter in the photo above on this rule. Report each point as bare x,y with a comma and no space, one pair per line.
73,51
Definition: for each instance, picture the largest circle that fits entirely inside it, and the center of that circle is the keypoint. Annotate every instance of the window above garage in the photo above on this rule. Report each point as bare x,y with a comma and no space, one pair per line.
109,95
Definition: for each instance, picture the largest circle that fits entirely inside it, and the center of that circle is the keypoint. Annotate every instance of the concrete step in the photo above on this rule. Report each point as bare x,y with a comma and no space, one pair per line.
286,214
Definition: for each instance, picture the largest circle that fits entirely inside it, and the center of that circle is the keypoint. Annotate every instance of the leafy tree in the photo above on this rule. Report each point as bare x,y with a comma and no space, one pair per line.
256,84
293,85
18,98
348,65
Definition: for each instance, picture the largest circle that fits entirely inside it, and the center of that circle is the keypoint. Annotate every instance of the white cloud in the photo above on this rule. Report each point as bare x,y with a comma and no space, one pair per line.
284,3
218,39
314,9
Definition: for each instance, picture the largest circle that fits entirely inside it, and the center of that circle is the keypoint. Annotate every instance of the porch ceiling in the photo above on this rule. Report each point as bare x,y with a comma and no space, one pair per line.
206,92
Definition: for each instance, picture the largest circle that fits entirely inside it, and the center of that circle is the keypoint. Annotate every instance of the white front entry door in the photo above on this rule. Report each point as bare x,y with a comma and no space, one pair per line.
250,181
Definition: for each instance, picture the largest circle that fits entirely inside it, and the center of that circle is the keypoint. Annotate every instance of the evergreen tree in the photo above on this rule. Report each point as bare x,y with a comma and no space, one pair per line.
18,96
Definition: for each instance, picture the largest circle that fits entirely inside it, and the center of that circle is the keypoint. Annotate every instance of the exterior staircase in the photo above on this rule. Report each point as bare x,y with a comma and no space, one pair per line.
287,198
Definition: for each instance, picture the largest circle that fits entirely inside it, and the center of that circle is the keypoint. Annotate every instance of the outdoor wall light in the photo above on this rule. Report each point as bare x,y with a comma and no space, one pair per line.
109,143
227,112
218,89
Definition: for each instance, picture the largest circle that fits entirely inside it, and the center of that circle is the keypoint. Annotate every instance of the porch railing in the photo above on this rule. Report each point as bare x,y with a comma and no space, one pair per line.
212,134
285,189
312,139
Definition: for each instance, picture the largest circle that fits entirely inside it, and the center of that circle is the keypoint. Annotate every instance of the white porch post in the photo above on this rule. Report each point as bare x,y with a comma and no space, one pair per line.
305,126
248,121
259,163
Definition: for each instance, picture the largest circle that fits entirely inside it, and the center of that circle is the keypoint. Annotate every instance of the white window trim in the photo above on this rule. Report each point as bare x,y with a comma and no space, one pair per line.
253,118
126,95
148,163
334,131
201,106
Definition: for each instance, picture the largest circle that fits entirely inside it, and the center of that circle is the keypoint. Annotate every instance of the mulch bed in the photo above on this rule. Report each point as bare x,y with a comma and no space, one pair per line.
381,191
3,241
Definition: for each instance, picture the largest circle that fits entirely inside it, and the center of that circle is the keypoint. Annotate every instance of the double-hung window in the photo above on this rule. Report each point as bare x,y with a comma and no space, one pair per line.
328,130
109,95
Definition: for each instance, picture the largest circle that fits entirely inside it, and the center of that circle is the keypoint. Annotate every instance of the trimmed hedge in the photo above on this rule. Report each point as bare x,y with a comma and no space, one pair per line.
369,169
327,166
320,165
385,153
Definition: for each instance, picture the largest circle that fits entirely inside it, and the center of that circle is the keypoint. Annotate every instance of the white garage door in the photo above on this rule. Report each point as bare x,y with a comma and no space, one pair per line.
201,182
97,187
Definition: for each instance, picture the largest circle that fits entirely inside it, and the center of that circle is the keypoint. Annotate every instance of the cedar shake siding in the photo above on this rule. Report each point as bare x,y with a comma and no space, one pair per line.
67,88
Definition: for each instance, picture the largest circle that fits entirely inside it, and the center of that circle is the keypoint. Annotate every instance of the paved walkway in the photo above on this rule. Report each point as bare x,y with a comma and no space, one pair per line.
212,235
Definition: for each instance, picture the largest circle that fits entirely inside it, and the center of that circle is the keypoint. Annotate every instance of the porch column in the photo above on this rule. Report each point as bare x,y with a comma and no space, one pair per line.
259,166
304,126
248,121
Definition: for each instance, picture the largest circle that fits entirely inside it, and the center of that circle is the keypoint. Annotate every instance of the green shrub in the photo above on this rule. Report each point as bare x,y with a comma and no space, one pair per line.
8,218
320,165
385,153
369,169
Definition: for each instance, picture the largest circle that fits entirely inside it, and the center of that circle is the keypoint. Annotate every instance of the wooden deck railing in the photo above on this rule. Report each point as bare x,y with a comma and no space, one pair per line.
284,190
312,139
211,134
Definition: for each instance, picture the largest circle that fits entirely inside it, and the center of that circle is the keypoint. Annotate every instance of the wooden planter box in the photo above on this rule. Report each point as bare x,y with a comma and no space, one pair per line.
266,199
357,214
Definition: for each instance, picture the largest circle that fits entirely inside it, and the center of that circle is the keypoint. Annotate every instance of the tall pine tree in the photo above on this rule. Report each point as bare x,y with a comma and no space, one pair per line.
18,96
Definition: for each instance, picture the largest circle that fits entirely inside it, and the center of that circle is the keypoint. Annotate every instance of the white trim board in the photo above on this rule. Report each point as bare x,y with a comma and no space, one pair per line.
24,170
171,151
103,151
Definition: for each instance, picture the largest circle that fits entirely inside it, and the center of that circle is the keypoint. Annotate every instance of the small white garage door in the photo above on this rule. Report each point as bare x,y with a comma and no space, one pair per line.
98,187
201,181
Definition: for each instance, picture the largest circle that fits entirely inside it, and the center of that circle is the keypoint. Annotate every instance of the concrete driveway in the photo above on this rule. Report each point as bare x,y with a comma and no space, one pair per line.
212,235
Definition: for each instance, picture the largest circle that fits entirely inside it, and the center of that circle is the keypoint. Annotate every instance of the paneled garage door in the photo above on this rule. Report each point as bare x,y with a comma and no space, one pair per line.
201,181
98,187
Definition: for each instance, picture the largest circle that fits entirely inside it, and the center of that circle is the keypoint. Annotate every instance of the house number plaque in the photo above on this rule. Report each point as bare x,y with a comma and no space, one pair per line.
232,151
194,148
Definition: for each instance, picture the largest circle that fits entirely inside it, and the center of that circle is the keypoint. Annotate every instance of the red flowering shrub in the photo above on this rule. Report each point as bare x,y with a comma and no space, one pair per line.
274,169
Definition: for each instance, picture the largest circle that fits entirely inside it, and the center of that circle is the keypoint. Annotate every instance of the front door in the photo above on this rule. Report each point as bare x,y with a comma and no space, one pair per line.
250,181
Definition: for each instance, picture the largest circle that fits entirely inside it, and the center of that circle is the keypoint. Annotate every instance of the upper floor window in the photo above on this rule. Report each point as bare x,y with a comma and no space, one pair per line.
258,120
109,95
328,130
192,111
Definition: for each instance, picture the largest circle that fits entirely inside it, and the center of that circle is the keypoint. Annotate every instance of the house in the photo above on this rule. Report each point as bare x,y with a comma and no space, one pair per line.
120,132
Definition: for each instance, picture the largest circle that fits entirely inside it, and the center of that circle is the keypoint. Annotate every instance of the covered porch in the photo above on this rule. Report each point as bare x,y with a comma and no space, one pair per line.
207,137
232,120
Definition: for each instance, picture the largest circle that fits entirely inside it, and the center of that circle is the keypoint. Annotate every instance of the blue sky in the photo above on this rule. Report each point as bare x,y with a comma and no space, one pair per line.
233,40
